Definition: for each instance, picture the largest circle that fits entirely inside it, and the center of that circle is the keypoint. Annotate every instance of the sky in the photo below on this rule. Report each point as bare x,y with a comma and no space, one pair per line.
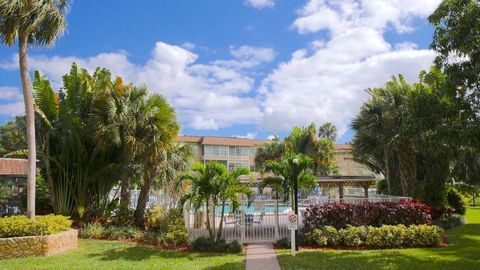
245,68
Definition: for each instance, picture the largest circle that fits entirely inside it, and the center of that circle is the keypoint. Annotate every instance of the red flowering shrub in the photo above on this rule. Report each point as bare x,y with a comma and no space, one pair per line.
340,215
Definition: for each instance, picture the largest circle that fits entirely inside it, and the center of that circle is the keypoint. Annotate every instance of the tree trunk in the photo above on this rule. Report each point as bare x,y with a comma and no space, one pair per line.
30,119
208,219
220,227
125,196
388,178
143,199
407,163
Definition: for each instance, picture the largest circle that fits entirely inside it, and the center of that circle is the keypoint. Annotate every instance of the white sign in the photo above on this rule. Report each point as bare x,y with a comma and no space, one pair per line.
292,226
292,218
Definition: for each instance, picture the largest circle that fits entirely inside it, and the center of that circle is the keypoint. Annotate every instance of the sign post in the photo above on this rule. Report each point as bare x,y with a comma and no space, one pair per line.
292,226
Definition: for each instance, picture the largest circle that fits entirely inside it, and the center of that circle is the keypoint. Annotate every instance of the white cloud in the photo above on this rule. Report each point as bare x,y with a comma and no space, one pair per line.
10,93
206,96
327,81
12,109
249,135
260,3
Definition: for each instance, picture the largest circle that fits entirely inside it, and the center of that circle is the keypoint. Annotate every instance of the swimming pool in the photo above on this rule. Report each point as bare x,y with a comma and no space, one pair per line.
255,209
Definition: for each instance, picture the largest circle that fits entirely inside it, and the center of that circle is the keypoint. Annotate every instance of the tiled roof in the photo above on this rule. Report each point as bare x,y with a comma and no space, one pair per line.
13,167
232,141
212,140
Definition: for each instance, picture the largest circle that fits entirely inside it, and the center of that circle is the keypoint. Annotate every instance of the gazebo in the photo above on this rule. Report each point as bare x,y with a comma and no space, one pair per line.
342,181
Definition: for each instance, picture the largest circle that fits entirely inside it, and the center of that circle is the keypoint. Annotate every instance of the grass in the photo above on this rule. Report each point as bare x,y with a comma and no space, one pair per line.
95,254
462,253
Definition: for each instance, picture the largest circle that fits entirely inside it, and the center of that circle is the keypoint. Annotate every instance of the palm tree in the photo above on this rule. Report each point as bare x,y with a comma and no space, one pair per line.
328,131
305,141
174,162
228,187
202,187
34,22
272,150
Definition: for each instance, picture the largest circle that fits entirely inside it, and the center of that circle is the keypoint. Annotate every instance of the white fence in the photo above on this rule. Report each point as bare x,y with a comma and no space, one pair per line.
262,220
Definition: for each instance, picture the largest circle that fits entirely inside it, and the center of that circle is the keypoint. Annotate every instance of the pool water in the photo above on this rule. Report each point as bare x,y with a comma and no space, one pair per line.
254,209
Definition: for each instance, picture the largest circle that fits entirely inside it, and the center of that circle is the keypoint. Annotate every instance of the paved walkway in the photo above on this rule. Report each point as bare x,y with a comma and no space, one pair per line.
261,257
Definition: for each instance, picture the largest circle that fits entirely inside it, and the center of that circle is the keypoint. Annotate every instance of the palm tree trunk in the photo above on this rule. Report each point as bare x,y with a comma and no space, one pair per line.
388,178
220,227
142,200
125,196
407,163
30,119
208,219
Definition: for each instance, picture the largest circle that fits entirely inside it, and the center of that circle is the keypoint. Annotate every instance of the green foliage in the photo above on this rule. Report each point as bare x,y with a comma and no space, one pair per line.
122,233
169,228
206,244
450,222
43,225
285,242
400,236
272,150
353,236
157,219
326,236
13,137
457,201
328,131
94,230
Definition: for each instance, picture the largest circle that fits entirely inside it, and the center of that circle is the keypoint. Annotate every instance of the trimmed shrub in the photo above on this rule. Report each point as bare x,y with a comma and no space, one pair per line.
16,226
387,236
206,244
123,233
450,222
340,215
456,201
353,236
326,236
94,230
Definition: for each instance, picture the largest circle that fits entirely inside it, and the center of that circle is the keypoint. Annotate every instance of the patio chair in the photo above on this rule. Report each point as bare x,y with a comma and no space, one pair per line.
260,219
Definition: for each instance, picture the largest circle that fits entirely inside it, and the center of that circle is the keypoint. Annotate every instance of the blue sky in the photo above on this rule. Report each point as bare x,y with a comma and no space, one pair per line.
240,67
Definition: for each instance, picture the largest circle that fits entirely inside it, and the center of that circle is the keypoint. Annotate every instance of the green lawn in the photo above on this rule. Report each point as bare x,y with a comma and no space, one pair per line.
463,253
94,254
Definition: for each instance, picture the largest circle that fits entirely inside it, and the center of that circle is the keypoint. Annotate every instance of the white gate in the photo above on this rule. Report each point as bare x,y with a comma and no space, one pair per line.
262,221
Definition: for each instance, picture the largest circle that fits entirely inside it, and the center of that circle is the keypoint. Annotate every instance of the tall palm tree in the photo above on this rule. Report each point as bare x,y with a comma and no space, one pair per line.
328,131
228,188
34,22
272,150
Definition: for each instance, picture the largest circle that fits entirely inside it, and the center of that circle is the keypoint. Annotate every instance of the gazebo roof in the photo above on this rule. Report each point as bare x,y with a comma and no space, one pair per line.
345,180
13,167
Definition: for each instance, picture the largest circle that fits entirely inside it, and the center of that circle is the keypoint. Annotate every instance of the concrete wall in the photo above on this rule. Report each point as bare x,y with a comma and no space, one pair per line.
31,246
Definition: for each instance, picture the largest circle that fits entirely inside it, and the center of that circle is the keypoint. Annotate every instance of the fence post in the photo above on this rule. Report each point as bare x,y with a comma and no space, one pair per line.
275,211
242,226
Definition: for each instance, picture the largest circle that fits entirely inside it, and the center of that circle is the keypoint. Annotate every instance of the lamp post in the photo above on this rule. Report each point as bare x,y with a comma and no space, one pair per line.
295,199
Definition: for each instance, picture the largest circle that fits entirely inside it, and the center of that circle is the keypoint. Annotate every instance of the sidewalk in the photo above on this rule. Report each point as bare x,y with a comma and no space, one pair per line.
261,257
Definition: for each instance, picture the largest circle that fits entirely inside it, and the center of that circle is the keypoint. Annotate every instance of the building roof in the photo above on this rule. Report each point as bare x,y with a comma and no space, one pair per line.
232,141
213,140
13,167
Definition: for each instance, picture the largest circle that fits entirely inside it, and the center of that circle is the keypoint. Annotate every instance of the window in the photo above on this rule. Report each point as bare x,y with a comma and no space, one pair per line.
235,165
215,150
241,151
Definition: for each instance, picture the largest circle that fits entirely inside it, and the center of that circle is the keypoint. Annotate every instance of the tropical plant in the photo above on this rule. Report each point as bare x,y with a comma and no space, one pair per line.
13,138
80,172
272,150
33,22
228,188
328,131
304,140
281,175
201,188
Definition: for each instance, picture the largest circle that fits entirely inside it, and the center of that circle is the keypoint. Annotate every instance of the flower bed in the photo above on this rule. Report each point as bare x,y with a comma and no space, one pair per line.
340,215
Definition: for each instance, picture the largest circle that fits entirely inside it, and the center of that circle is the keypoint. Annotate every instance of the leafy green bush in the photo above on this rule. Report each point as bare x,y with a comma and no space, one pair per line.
43,225
326,236
387,236
457,201
94,230
206,244
157,218
176,233
285,242
353,236
450,222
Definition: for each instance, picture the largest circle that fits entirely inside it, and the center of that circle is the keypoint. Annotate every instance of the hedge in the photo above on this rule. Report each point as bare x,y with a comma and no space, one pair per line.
16,226
340,215
387,236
